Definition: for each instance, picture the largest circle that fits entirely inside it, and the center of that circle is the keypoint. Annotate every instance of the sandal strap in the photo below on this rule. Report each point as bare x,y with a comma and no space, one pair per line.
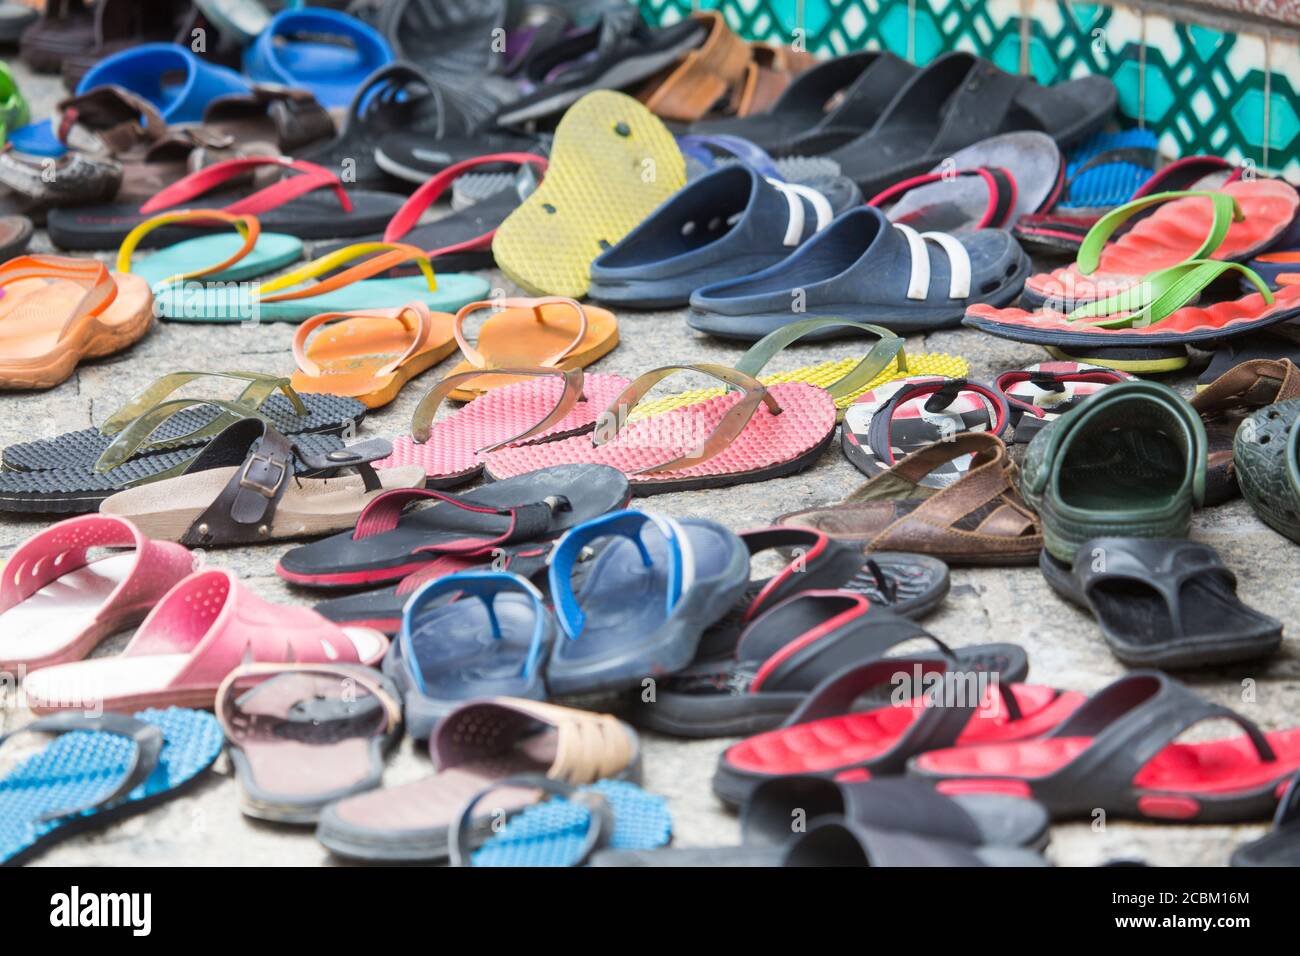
405,219
475,357
228,711
90,275
942,392
1047,378
421,329
259,389
795,195
1226,212
527,521
702,147
1161,294
817,562
889,348
1252,384
422,419
1001,186
383,256
1143,156
597,835
203,181
247,226
959,278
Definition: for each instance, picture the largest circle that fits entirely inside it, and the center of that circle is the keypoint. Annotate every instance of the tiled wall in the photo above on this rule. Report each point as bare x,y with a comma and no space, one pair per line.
1202,88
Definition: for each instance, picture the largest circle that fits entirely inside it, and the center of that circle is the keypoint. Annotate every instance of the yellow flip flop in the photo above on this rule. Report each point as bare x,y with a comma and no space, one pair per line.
548,332
612,163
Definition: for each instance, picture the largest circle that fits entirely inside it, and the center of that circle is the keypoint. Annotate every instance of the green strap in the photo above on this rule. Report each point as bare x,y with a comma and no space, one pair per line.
1226,212
884,352
134,436
1161,294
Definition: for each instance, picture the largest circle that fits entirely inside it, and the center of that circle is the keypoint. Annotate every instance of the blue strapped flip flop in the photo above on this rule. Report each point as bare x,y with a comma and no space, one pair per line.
99,769
289,52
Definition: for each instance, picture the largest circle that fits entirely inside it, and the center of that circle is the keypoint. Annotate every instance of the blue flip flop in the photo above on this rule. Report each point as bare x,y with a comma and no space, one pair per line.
864,269
291,51
99,769
732,221
1107,169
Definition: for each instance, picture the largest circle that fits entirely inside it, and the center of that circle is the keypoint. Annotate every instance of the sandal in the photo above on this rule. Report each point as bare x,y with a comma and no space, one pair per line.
782,656
476,745
325,52
1163,603
1119,753
825,737
835,841
238,490
370,355
1266,456
978,519
301,736
203,628
57,312
57,604
1042,393
15,235
1280,846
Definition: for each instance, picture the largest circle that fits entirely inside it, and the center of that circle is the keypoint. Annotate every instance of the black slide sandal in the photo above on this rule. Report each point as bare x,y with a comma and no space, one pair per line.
1281,845
836,841
1163,602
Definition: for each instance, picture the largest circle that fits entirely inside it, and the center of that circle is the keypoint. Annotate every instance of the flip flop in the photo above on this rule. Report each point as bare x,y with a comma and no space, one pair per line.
896,805
715,443
613,162
390,543
839,842
1043,392
98,769
865,269
324,51
538,333
203,628
783,655
1164,603
237,490
1266,455
824,737
370,355
57,604
1278,847
56,312
301,736
1119,752
477,744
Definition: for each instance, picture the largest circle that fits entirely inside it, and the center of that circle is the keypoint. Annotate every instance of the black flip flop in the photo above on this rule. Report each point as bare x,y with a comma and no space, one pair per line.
786,654
1163,602
1281,845
388,544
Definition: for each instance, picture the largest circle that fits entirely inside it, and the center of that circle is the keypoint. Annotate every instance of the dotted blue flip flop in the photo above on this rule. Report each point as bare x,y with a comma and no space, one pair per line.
98,769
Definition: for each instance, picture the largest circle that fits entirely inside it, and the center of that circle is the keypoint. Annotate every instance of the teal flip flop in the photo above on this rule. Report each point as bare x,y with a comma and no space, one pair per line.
273,252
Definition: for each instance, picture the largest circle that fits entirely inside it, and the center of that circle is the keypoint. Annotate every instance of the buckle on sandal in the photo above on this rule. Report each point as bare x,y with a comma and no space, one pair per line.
266,491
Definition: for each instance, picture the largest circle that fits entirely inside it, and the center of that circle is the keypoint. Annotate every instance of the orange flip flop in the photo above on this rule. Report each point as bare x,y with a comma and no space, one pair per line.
549,332
369,356
56,311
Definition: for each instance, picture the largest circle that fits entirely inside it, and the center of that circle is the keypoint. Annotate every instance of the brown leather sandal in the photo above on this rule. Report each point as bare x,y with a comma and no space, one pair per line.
978,519
1225,403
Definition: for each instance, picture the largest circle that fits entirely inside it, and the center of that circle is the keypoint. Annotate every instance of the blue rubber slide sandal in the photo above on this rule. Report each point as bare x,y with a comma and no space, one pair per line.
862,268
1108,168
168,75
97,770
732,221
320,50
567,829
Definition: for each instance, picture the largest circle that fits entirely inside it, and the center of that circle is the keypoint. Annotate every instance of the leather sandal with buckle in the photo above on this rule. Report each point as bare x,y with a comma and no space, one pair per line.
240,492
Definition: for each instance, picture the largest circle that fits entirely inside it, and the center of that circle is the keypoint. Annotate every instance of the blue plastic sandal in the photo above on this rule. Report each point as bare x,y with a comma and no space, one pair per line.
283,54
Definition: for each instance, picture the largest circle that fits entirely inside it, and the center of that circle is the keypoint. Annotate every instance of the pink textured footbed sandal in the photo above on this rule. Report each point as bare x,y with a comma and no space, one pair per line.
57,603
201,630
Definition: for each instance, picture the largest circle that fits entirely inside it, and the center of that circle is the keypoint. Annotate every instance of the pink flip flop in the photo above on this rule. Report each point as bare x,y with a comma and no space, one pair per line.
762,432
550,404
201,630
57,604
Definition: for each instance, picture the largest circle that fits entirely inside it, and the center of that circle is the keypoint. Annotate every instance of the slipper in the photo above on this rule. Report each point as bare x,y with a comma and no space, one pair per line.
979,518
988,185
325,52
1043,392
896,805
297,205
931,704
475,745
1108,169
390,543
124,25
301,736
370,355
56,312
1280,846
1163,603
1128,463
97,769
15,235
63,29
783,655
185,423
716,443
57,604
729,221
202,629
548,405
896,419
292,297
865,269
577,822
1119,753
237,490
613,162
550,332
1266,456
839,842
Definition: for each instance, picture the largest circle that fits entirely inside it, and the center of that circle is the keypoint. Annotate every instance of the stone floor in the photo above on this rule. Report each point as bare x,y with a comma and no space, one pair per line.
999,604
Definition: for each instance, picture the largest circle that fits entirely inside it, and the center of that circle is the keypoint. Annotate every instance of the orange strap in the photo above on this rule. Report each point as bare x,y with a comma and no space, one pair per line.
422,326
246,226
475,357
92,276
390,254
